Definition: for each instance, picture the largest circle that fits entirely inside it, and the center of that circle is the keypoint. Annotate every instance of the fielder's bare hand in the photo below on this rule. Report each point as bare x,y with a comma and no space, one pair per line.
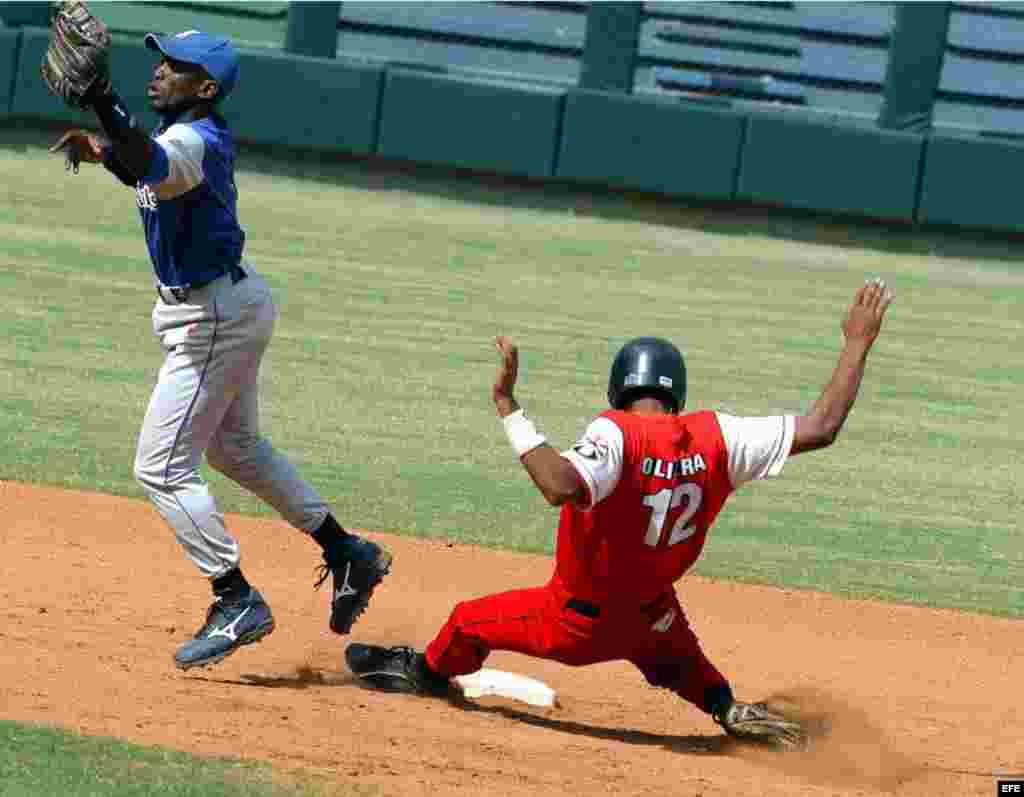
80,145
508,371
864,318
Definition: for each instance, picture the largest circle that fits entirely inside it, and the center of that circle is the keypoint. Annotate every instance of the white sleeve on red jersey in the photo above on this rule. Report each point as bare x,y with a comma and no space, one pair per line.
597,456
757,447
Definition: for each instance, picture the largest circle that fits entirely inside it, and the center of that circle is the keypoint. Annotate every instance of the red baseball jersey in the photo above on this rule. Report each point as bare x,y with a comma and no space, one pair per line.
656,484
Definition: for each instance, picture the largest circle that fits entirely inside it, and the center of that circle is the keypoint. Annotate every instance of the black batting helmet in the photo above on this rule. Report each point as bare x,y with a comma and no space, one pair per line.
648,367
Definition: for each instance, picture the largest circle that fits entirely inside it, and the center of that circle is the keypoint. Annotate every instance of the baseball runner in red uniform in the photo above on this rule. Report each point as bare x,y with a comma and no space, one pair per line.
639,492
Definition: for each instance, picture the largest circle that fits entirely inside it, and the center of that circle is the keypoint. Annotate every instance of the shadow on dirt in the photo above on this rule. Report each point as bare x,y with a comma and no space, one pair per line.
304,677
848,749
696,744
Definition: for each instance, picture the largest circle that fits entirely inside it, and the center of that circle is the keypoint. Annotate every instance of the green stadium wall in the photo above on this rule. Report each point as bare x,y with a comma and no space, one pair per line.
667,146
971,182
650,144
132,65
9,41
283,100
817,165
306,103
470,124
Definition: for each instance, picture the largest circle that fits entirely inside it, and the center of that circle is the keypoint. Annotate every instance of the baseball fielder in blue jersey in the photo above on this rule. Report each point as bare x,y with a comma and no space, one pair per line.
214,318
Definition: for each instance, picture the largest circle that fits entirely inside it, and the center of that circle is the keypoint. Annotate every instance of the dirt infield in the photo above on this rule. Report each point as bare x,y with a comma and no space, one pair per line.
96,595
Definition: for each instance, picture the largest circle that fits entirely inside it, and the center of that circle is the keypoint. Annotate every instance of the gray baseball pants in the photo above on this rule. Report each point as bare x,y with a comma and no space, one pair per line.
206,401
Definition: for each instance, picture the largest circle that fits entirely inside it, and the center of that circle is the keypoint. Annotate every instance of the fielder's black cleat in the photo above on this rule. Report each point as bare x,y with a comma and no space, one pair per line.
230,624
399,669
358,566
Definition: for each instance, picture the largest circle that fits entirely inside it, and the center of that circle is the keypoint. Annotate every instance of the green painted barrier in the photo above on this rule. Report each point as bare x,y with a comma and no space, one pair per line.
828,166
646,143
650,144
280,99
972,182
912,73
16,14
306,103
30,95
313,29
136,19
610,46
8,64
238,8
470,124
131,65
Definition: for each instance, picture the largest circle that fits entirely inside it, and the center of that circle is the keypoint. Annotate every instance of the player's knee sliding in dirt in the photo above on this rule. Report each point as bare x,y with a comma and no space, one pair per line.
639,493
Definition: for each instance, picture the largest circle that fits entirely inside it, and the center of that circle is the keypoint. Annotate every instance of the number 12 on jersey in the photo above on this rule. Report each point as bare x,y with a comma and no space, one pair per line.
662,503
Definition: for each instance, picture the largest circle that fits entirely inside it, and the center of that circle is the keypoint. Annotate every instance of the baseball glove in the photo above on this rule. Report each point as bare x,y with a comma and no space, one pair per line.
78,58
761,724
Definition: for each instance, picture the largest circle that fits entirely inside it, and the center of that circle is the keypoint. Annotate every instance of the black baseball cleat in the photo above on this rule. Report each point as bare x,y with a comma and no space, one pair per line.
358,566
399,669
230,624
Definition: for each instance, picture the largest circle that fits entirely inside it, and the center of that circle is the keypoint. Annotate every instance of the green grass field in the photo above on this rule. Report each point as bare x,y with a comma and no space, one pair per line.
36,761
392,286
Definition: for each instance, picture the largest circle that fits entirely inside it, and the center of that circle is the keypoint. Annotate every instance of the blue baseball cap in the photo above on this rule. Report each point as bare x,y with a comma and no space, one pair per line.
215,54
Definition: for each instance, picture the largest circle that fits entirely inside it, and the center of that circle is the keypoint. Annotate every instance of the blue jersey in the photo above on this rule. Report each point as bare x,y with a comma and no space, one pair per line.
188,203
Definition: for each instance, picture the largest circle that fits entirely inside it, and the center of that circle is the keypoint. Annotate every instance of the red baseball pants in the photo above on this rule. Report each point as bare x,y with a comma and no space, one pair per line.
656,638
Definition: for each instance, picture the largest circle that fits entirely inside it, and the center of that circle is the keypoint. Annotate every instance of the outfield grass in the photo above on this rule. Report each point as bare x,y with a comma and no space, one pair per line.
392,286
38,761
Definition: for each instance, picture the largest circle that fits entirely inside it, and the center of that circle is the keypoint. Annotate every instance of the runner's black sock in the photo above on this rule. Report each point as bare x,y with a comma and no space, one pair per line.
330,533
435,682
231,585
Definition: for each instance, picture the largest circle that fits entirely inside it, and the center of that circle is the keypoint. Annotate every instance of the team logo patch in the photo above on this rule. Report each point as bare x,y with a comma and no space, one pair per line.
145,198
595,448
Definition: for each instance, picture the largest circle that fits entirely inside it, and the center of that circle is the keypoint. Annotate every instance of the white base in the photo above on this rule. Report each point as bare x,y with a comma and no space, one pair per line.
506,684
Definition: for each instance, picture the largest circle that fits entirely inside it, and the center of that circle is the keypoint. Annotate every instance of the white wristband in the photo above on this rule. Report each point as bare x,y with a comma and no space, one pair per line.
522,433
